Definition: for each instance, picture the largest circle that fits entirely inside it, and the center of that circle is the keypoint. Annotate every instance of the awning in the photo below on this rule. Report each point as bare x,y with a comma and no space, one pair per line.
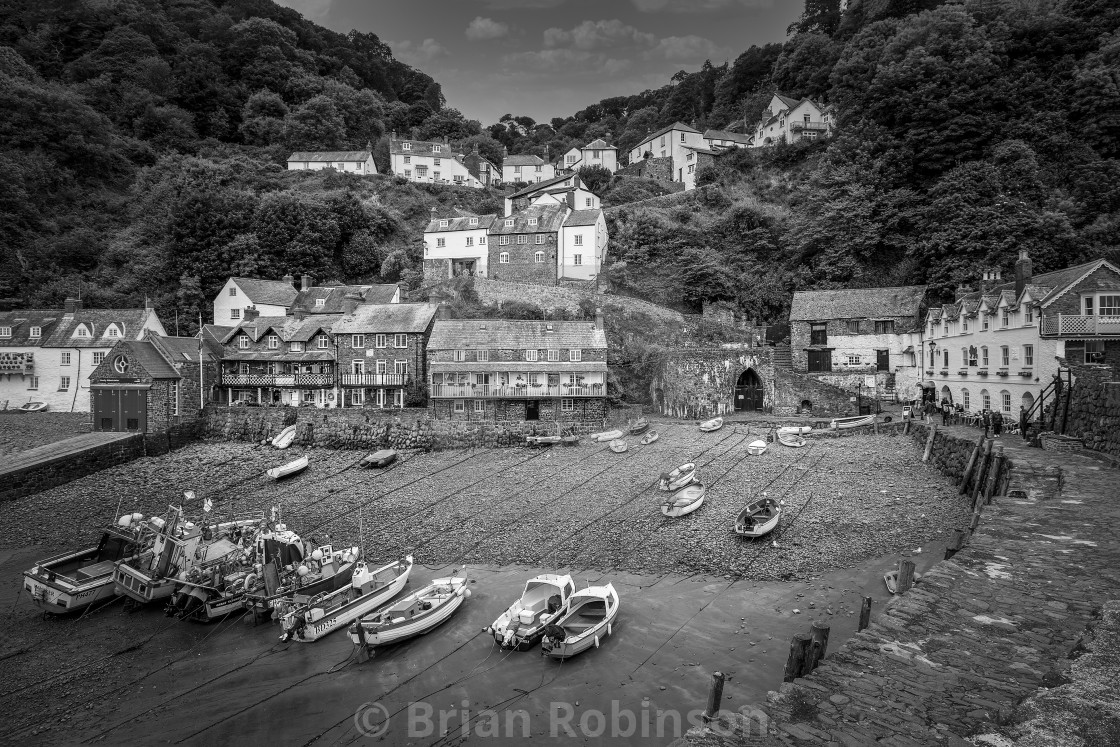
909,349
120,386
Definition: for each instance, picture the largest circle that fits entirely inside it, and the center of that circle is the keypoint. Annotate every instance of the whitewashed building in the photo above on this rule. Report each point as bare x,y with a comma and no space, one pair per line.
788,120
348,161
456,246
430,162
672,142
527,169
268,297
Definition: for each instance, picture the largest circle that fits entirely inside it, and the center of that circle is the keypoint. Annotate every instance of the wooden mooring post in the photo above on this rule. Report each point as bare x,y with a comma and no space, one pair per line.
798,651
975,516
905,576
715,696
929,441
818,646
955,543
906,427
971,464
864,614
996,476
982,471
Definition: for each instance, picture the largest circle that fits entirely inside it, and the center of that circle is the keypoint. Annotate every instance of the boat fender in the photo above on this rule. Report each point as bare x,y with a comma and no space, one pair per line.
596,641
466,593
125,520
608,628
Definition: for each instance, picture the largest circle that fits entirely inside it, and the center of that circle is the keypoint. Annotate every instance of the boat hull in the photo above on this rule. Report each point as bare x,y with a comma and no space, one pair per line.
857,422
289,469
678,478
379,459
618,446
757,448
796,430
284,439
414,627
673,509
791,440
760,530
711,425
138,586
60,598
650,438
313,630
587,640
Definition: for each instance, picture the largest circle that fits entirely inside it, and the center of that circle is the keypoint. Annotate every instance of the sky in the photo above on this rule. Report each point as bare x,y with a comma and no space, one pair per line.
551,58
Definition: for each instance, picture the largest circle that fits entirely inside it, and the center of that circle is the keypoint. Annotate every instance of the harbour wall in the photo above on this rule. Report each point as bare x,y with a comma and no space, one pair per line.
52,472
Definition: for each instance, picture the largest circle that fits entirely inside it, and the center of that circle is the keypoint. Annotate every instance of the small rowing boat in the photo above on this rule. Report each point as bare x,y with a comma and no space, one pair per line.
685,501
639,427
33,407
591,613
678,478
378,459
852,422
542,602
649,438
711,425
792,440
542,440
289,469
618,446
285,437
797,430
891,580
758,518
757,447
605,436
411,616
570,440
327,612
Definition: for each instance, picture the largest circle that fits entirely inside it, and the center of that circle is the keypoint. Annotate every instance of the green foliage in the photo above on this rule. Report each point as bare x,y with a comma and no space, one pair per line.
595,178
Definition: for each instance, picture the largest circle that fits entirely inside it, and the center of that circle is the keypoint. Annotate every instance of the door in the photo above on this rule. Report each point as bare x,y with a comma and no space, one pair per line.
532,410
120,410
748,392
882,360
820,360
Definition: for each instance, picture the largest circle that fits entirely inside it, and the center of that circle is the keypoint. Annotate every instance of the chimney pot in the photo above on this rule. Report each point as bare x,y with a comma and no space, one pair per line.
288,279
251,312
72,305
306,282
598,317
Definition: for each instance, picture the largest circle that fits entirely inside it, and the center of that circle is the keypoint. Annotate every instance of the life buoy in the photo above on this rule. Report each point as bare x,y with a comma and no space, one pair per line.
330,396
250,581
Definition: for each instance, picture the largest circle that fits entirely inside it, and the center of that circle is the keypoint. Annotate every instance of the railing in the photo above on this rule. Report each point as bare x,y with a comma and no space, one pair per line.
812,126
1080,324
374,379
467,391
303,380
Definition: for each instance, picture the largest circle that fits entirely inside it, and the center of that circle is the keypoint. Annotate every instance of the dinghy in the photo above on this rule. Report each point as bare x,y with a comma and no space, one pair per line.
286,470
639,427
757,447
285,437
649,438
378,459
411,616
678,478
758,518
570,440
853,422
618,446
792,440
711,425
797,430
590,617
33,407
891,580
685,501
605,436
324,613
541,440
544,600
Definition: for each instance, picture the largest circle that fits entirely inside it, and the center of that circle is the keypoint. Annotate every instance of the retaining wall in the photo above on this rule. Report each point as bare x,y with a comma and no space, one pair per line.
49,474
1094,409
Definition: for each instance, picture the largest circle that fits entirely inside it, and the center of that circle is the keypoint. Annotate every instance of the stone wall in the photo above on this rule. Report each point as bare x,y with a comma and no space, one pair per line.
677,198
522,266
48,474
660,169
1094,408
699,383
797,392
567,297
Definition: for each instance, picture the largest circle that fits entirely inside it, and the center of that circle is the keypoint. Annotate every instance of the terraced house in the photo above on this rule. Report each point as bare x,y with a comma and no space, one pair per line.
526,169
495,369
22,334
456,245
429,162
381,353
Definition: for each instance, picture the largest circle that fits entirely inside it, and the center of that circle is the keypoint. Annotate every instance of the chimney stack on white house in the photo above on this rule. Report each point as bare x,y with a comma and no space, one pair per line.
1023,270
289,279
599,318
72,305
306,282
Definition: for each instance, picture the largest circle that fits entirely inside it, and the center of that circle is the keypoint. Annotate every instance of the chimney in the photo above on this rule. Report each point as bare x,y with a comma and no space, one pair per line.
289,279
505,151
147,303
250,313
350,303
989,279
1023,268
474,149
433,214
306,282
598,317
415,133
72,305
546,153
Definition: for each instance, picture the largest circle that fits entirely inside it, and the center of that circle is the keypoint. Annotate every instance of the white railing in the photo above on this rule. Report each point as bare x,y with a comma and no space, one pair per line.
1080,324
374,379
477,391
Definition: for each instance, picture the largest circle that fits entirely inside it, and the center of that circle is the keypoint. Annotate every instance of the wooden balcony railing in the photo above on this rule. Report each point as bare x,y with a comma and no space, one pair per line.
297,381
484,391
1080,324
374,379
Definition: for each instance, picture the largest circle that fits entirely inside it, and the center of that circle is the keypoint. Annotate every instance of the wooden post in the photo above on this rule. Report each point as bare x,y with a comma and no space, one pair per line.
876,425
715,696
798,650
865,614
975,516
905,575
929,441
982,471
818,646
956,543
997,474
971,464
906,426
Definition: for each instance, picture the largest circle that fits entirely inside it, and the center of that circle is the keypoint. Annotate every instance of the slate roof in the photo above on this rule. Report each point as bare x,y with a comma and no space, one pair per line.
460,334
788,101
857,303
289,328
522,160
542,185
271,292
675,126
330,155
150,358
97,321
734,137
583,218
599,144
460,224
180,349
702,149
388,318
420,147
549,218
334,297
22,320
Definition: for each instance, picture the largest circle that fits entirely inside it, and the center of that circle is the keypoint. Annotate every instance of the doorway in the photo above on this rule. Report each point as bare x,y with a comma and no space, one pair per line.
748,392
820,360
882,360
533,410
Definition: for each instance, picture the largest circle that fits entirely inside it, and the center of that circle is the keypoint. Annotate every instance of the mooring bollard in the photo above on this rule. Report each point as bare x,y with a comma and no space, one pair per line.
955,544
864,614
997,474
905,576
929,441
798,650
715,695
818,646
971,465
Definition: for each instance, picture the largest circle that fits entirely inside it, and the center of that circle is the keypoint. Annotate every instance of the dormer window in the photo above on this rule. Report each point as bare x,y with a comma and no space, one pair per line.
273,342
532,221
474,221
81,331
320,302
406,146
443,224
243,341
5,331
36,332
437,148
112,331
509,222
296,347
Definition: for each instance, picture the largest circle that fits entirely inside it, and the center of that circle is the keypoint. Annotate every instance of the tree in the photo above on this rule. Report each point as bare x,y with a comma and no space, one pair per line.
262,118
315,125
595,178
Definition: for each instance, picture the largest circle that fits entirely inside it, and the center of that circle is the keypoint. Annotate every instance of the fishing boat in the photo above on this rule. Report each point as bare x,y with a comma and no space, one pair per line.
649,438
684,501
542,602
590,616
605,436
289,469
618,446
285,437
74,580
323,613
678,478
792,440
411,616
542,440
852,422
757,447
33,407
711,425
378,459
570,440
758,518
891,580
639,427
176,547
797,430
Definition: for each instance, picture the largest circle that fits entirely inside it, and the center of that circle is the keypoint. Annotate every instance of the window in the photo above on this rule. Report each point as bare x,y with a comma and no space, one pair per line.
682,137
273,342
400,340
64,384
380,367
5,331
964,356
323,341
984,322
1028,316
443,224
985,399
174,397
690,167
381,341
504,241
530,355
587,201
946,356
473,221
320,302
662,141
1108,305
853,360
81,331
503,258
885,327
1028,356
553,355
964,323
540,238
436,161
482,355
539,257
113,331
984,356
577,259
579,240
406,146
1005,401
235,313
232,292
460,406
480,405
460,355
470,241
440,243
243,341
36,332
400,368
965,398
33,383
408,173
818,334
1094,351
358,368
408,159
1004,356
97,358
421,172
481,240
575,355
522,239
567,405
853,326
690,156
532,221
357,341
437,148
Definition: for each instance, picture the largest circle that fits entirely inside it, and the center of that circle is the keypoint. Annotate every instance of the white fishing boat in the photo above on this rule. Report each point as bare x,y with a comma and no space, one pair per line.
797,430
33,407
618,446
605,436
649,438
678,478
711,425
757,447
74,580
542,602
590,616
411,616
379,459
685,501
791,440
324,613
289,469
285,437
758,518
852,422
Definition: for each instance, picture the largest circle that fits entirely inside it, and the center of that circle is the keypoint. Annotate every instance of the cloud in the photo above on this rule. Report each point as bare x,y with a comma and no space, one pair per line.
522,4
312,10
696,6
485,28
567,61
413,54
689,48
591,35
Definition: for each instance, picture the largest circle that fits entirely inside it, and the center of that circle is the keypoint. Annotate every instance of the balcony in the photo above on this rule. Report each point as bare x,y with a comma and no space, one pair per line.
484,391
296,381
808,127
374,379
22,364
1079,325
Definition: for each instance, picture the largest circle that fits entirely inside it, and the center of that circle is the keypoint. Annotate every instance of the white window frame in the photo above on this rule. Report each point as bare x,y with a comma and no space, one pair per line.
531,356
503,241
481,240
175,397
243,342
98,356
567,404
400,368
5,331
64,384
36,333
273,342
965,399
357,341
470,241
235,313
322,341
295,347
575,355
1092,347
482,355
406,146
480,405
1028,356
460,405
443,224
458,355
381,341
522,238
1004,356
441,243
503,258
553,355
400,340
33,383
539,257
577,259
579,239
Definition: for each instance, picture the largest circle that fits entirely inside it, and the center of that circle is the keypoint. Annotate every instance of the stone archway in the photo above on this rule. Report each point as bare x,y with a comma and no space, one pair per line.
749,392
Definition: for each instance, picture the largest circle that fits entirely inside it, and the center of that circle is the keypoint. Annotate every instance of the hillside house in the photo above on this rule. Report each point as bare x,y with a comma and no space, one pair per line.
456,246
788,120
526,169
268,297
547,242
596,153
673,142
565,189
482,169
494,369
348,161
22,334
429,162
695,159
583,245
722,139
382,351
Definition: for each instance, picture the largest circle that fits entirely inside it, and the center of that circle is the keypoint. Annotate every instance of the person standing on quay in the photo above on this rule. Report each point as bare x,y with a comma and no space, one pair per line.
945,409
986,420
1024,423
997,423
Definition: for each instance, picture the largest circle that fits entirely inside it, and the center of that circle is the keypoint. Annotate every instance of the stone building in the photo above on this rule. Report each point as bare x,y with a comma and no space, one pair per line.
382,353
496,369
523,247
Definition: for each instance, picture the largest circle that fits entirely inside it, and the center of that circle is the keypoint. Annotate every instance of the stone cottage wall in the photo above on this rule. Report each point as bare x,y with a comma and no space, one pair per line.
522,266
700,382
1094,408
